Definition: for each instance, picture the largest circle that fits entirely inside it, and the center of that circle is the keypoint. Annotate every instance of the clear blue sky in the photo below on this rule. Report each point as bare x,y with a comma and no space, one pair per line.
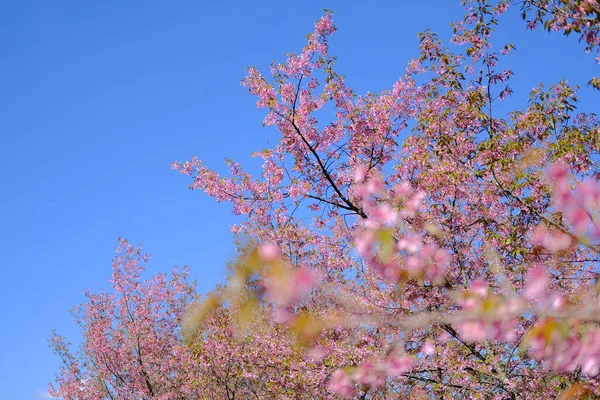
99,97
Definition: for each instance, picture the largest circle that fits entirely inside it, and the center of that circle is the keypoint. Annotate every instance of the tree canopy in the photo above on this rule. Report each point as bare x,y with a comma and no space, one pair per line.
419,242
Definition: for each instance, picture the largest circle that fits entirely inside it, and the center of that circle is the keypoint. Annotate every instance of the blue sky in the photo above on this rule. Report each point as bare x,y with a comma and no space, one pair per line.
99,97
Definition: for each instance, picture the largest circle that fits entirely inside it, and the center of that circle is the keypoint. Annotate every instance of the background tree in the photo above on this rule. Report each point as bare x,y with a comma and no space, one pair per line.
134,348
131,347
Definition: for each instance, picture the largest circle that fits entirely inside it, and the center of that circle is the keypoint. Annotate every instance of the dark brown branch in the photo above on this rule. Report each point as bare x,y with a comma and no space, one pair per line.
327,175
469,346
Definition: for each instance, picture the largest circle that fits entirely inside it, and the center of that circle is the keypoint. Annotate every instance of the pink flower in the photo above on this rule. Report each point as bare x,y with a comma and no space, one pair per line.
364,242
413,204
325,25
591,366
396,366
473,331
410,243
316,354
402,190
554,242
428,348
579,218
536,281
444,337
479,287
374,186
360,173
589,191
414,264
367,374
305,280
596,231
558,173
437,269
383,215
289,287
539,235
340,384
281,316
268,251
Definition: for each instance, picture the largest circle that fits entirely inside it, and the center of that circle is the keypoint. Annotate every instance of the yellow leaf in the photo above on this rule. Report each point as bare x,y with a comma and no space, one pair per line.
576,392
387,243
247,314
198,312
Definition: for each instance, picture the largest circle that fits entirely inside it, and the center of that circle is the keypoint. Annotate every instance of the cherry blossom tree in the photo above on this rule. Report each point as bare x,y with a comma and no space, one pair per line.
456,243
130,347
133,346
581,17
420,242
